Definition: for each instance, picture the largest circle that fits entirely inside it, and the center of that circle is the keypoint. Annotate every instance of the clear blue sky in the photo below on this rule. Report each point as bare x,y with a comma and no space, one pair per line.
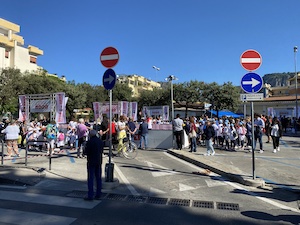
191,39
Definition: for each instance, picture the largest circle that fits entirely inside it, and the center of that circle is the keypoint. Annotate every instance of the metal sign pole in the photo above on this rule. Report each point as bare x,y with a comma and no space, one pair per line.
2,154
110,166
26,153
253,150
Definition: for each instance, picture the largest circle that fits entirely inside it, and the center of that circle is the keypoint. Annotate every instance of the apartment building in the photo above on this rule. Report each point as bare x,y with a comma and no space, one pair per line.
138,83
13,52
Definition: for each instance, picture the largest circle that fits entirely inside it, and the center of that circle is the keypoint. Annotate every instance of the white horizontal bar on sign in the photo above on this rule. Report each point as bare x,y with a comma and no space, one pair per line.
109,57
251,60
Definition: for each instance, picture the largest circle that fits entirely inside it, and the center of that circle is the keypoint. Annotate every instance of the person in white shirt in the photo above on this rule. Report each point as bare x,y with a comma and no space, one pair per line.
276,133
178,131
259,125
11,138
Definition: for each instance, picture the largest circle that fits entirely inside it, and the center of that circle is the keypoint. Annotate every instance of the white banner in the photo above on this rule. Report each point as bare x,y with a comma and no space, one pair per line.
22,109
157,111
165,116
43,105
60,108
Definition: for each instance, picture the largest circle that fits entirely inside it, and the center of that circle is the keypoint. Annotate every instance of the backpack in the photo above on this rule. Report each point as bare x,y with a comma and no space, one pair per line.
243,131
51,131
61,137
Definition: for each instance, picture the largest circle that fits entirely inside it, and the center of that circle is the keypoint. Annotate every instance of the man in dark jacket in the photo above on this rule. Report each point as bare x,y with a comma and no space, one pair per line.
93,151
143,131
209,133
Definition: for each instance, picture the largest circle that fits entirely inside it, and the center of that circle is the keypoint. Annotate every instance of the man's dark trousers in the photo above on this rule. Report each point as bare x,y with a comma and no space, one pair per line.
94,171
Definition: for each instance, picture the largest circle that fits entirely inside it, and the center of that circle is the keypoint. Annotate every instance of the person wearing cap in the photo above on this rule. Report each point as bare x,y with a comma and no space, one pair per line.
94,150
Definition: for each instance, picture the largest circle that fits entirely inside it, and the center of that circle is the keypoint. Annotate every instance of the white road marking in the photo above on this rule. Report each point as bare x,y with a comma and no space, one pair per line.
184,187
214,183
47,199
276,204
156,170
125,181
156,191
9,216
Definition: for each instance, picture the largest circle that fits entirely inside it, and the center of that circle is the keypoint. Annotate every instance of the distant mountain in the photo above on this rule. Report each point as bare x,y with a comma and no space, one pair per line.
277,79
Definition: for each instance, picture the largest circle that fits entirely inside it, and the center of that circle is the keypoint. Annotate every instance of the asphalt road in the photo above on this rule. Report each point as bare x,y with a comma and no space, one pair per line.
155,188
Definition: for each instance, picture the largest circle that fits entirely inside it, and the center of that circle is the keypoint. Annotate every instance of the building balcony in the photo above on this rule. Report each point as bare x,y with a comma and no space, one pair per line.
35,50
6,42
6,25
18,38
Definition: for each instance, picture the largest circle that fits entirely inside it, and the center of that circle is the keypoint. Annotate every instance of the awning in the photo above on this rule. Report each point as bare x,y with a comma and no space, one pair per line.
225,113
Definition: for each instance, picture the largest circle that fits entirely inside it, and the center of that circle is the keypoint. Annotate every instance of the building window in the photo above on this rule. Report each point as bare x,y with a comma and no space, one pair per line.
6,54
33,59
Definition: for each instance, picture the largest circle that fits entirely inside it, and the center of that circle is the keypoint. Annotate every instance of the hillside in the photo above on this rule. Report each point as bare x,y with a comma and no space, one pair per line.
277,79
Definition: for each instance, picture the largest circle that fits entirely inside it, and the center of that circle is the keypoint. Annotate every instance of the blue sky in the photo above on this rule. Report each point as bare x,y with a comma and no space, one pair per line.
191,39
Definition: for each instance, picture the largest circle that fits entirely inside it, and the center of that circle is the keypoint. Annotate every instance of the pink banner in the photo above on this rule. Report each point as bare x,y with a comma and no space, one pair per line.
60,108
133,110
125,108
22,109
96,108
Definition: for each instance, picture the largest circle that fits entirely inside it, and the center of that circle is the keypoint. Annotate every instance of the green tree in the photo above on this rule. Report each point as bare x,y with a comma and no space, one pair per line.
76,97
121,92
11,85
188,93
159,96
221,96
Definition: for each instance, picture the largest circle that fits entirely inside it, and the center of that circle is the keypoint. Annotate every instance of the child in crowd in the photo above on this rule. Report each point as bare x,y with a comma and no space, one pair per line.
233,137
71,136
242,134
226,134
61,140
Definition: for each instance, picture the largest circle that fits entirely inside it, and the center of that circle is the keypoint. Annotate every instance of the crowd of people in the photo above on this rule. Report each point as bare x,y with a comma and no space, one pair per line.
43,134
227,133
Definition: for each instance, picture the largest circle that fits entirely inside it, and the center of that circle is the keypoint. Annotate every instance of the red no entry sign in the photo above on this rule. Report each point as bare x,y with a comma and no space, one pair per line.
109,57
251,60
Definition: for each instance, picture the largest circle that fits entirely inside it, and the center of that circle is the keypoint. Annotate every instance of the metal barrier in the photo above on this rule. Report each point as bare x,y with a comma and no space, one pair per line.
26,153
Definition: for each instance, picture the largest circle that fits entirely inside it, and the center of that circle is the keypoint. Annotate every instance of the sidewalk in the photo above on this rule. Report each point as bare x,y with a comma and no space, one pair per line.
279,170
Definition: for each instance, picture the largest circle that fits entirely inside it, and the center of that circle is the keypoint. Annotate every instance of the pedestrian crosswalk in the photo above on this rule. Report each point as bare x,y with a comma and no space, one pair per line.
17,215
8,216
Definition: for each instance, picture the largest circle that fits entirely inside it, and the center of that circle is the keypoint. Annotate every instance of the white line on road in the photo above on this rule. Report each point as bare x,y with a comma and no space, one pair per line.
125,181
276,204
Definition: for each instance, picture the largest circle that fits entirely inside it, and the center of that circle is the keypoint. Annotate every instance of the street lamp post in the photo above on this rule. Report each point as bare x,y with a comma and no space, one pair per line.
156,69
296,86
170,79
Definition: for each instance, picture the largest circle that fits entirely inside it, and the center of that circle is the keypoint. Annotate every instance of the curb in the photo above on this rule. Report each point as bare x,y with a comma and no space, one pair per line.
242,179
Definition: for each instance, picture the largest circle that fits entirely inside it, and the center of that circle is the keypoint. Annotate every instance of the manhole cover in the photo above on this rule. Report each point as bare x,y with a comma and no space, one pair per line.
116,197
156,200
134,198
203,204
228,206
179,202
